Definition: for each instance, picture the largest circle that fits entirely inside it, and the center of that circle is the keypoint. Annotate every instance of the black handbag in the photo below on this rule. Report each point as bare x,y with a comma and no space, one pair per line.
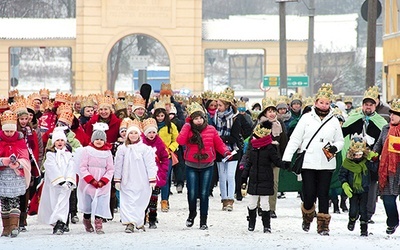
298,157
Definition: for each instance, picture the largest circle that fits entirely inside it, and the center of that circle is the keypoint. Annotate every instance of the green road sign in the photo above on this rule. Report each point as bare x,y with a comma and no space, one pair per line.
292,81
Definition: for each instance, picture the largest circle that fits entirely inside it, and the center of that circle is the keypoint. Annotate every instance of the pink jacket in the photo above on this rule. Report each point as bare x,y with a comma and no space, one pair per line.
161,158
211,140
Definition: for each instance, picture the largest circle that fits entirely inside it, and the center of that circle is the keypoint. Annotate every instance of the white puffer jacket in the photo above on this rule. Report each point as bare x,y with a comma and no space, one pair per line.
308,124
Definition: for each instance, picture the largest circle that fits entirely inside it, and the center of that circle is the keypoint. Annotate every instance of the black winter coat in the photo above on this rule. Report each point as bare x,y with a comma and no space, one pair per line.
258,170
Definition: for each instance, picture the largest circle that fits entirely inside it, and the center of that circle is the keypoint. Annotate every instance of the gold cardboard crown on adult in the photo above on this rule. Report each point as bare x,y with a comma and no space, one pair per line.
255,114
195,98
206,94
296,96
227,95
241,104
64,107
166,86
180,98
108,93
159,105
13,93
395,105
129,99
282,99
261,132
8,117
105,100
30,103
149,122
348,99
63,97
18,98
19,107
66,117
35,96
4,104
193,107
165,99
87,102
371,93
268,102
121,94
47,105
44,92
77,98
324,92
119,105
138,101
308,101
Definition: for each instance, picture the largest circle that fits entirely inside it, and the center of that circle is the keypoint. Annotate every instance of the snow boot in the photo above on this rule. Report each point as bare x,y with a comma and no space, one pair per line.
203,222
130,228
229,205
164,206
266,219
252,219
14,222
5,216
190,219
58,229
323,221
351,224
308,217
88,225
224,204
364,228
98,225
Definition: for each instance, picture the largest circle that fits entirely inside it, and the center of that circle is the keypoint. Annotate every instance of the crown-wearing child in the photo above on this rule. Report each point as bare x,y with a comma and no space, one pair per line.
354,176
15,172
151,138
59,181
96,170
258,175
202,142
135,177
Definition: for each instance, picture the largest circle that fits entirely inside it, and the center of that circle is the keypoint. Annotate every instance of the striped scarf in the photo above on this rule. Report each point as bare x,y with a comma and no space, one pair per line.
224,121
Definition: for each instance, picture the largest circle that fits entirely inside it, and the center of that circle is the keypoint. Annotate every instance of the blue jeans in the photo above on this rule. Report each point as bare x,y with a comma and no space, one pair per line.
389,202
165,189
226,171
198,183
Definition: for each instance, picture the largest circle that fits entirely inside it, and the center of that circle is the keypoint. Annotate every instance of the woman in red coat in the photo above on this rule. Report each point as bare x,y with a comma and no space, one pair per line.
201,141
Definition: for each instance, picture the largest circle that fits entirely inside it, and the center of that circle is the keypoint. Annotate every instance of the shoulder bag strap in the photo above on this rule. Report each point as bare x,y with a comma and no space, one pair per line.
318,131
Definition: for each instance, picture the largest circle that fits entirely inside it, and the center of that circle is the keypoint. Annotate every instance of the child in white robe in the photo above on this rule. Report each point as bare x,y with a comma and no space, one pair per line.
59,180
135,177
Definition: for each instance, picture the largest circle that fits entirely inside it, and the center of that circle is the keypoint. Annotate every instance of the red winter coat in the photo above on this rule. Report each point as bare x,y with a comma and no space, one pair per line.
113,127
162,159
211,140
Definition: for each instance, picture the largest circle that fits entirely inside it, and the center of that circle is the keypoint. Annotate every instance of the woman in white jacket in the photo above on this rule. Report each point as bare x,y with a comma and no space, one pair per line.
317,170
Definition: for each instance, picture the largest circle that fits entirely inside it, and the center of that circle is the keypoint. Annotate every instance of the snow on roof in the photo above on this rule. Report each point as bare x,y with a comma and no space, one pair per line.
37,28
331,32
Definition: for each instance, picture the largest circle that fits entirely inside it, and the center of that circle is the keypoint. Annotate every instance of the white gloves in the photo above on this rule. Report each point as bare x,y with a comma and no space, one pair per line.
118,186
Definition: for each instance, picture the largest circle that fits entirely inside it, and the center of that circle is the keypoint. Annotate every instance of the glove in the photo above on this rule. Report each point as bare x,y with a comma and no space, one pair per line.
94,183
396,146
286,165
332,149
347,189
241,167
244,189
100,184
373,156
118,186
152,184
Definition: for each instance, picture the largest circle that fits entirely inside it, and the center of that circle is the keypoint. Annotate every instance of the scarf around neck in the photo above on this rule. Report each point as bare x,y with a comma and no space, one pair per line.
276,125
224,121
261,142
389,160
358,169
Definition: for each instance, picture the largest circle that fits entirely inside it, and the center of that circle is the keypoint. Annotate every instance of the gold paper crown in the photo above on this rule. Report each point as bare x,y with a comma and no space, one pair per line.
135,123
180,98
159,105
348,99
63,97
47,105
357,144
337,111
395,105
149,122
371,93
206,94
4,104
165,99
30,103
8,117
241,104
13,93
227,95
108,93
282,99
165,86
125,123
139,102
105,101
325,92
195,98
296,96
77,99
121,94
65,107
119,105
18,98
87,102
35,96
66,117
44,92
308,101
193,107
19,107
261,132
166,89
268,102
255,114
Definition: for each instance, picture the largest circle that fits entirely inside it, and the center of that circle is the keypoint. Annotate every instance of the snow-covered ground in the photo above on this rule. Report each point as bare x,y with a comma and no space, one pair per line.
227,230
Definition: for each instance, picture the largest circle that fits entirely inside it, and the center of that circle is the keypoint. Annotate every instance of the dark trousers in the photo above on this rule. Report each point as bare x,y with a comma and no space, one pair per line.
389,202
316,185
198,185
214,181
179,168
358,206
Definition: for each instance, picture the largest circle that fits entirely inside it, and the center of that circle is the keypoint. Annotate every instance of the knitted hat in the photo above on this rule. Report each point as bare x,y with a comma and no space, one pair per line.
99,129
59,134
9,121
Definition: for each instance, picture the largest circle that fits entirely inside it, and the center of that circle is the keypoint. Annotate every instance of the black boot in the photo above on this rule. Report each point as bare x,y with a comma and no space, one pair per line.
266,219
203,222
152,219
351,224
252,219
59,228
335,202
364,228
190,219
343,205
